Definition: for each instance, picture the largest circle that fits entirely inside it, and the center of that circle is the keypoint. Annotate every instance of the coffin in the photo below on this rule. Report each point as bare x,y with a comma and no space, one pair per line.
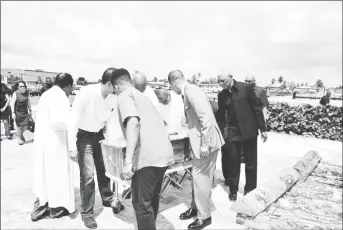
114,152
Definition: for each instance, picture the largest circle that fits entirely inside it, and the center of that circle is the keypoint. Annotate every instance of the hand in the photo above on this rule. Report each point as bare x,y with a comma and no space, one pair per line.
29,113
204,151
13,116
127,172
264,136
2,110
74,156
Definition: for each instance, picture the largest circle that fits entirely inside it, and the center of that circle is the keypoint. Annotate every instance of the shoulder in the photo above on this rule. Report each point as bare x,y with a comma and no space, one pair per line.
127,94
191,88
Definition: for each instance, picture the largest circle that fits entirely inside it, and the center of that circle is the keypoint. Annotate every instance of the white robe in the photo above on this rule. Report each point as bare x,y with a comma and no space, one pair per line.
53,169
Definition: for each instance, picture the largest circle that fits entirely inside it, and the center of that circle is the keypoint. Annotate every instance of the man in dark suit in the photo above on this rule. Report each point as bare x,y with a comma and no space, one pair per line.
260,93
239,117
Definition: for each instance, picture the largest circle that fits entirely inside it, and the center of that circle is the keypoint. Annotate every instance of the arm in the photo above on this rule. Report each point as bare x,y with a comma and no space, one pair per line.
132,136
76,112
257,109
7,103
130,120
14,98
29,104
221,112
200,104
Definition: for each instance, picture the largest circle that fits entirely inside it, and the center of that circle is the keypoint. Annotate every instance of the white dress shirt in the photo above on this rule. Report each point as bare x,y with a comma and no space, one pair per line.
89,112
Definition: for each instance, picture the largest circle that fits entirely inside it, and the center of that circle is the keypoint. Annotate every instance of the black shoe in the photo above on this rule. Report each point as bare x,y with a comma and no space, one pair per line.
188,214
89,222
233,196
246,192
200,224
58,212
226,183
108,205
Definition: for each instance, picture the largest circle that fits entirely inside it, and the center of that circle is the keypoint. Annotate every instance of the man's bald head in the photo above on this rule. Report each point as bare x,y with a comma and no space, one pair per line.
163,95
250,79
175,75
139,81
225,80
176,81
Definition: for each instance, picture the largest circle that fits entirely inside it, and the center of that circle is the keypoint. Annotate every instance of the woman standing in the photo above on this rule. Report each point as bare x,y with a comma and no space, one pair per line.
21,110
5,109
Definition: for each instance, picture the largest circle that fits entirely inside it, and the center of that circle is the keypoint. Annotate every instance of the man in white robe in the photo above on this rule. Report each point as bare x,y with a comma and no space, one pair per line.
53,172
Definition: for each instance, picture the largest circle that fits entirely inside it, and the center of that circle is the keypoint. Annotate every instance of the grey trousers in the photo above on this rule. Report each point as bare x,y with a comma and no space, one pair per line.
202,181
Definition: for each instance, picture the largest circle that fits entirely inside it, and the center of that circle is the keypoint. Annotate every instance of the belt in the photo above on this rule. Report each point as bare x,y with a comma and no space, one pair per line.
91,133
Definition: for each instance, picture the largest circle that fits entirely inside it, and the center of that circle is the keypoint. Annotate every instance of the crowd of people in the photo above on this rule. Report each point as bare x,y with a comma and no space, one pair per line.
16,108
123,106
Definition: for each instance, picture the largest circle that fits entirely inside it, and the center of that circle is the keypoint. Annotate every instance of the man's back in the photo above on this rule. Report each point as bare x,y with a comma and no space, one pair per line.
324,100
202,125
154,148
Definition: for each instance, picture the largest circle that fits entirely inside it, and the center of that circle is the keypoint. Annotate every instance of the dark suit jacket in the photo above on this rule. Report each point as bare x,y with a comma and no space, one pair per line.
247,108
262,96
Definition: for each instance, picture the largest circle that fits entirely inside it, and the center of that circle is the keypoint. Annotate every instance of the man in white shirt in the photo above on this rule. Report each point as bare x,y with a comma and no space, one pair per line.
171,108
140,82
89,113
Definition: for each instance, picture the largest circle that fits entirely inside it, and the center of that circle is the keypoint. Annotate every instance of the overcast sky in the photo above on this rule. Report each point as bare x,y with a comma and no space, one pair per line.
300,40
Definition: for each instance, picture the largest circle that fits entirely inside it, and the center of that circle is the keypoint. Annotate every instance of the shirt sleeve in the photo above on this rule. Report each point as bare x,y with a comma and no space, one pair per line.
126,108
76,112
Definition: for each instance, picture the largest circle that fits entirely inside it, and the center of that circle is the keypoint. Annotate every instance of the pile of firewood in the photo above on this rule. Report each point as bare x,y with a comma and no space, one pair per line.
320,122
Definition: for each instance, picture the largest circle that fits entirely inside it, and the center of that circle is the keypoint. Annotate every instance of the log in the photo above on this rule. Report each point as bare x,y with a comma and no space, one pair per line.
307,164
259,199
309,204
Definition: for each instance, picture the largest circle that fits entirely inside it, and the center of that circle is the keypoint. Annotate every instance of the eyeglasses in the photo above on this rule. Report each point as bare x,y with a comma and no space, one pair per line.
22,86
248,81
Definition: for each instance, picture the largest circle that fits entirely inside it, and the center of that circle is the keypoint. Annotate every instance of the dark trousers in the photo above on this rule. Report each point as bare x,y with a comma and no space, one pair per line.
231,163
146,187
90,157
43,211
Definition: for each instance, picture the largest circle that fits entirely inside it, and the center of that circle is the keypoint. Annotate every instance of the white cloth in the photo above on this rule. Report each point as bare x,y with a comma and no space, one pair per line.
53,169
89,112
113,128
173,113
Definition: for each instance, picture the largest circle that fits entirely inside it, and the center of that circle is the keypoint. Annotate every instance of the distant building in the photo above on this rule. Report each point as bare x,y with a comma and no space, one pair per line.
157,85
210,87
309,92
35,79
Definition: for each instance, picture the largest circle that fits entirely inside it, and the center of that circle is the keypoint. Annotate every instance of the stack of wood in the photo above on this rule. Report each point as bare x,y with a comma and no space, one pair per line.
320,122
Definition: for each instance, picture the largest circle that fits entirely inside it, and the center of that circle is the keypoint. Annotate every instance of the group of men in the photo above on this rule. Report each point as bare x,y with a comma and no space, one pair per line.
145,121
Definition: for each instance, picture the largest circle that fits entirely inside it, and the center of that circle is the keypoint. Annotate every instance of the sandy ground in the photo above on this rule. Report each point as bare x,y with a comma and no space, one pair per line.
17,198
280,151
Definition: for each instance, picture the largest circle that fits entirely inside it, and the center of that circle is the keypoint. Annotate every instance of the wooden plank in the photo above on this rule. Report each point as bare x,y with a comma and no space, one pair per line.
259,199
310,204
307,164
